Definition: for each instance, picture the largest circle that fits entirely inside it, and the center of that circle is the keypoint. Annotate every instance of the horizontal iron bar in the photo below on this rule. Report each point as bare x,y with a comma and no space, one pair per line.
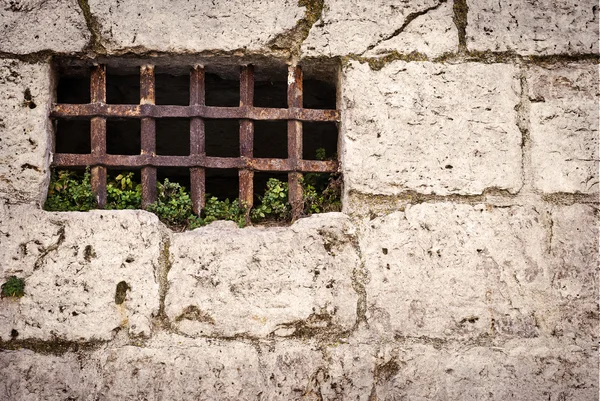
63,110
137,161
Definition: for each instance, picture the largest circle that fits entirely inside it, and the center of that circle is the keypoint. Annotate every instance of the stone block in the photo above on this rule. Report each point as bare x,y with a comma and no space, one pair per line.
86,275
564,128
28,375
289,281
356,27
534,369
24,131
457,271
30,26
533,27
430,128
176,368
294,370
192,27
573,249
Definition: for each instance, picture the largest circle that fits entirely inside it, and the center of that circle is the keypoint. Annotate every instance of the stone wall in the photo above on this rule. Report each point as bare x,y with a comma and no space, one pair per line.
463,267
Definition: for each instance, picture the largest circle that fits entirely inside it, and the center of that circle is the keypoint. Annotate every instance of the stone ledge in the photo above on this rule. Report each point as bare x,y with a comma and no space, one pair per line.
286,281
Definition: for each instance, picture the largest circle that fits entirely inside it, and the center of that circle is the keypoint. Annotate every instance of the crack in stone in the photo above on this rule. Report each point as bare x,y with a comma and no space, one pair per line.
409,19
523,109
55,347
93,26
161,273
61,238
291,41
461,10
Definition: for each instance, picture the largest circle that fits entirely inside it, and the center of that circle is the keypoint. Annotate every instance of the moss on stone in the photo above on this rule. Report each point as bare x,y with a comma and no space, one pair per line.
292,40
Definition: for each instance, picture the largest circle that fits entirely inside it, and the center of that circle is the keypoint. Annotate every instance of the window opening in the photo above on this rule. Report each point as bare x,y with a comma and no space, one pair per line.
270,139
173,136
221,91
222,137
122,87
122,137
209,140
319,94
72,136
222,183
172,89
319,141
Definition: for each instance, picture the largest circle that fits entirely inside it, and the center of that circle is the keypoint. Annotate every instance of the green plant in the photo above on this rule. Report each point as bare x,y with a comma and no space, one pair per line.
123,193
173,205
321,193
214,209
274,203
70,191
14,287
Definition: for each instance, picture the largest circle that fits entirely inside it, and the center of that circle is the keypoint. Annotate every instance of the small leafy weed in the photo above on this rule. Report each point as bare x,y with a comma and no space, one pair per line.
14,287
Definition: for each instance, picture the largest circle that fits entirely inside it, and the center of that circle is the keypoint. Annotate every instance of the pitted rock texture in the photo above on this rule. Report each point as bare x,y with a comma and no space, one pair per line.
425,368
533,27
28,375
564,128
293,281
478,255
28,26
354,27
513,272
73,266
183,26
24,131
574,259
430,128
358,368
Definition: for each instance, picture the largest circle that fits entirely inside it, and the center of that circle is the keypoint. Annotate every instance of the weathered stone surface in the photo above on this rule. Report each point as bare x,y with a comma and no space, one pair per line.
294,370
573,249
353,27
457,271
173,367
29,26
183,26
176,368
430,128
27,375
86,274
24,130
533,27
289,281
532,369
564,128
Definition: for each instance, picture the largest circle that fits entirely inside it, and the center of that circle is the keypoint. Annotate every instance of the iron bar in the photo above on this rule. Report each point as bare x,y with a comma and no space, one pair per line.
197,139
148,133
246,176
193,161
64,110
294,98
98,134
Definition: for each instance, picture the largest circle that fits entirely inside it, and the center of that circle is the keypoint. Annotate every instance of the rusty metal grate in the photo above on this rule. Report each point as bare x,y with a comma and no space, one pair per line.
197,111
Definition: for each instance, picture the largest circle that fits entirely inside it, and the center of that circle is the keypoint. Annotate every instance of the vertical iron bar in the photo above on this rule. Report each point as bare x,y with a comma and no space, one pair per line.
98,133
294,97
148,132
197,139
246,176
